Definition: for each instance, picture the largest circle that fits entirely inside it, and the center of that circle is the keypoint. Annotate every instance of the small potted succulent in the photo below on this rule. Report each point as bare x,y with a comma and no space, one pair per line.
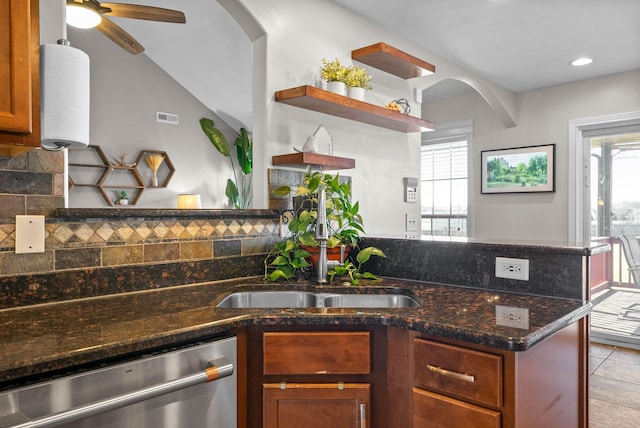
295,254
334,74
357,81
122,198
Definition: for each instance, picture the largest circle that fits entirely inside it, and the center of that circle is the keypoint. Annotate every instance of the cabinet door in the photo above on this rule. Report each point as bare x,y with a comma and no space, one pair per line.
19,76
316,405
434,410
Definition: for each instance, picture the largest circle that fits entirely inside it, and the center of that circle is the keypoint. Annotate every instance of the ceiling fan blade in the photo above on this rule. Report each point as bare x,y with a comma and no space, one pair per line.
120,37
150,13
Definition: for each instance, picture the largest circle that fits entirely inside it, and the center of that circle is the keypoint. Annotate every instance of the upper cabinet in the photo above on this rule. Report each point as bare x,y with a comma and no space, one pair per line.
19,77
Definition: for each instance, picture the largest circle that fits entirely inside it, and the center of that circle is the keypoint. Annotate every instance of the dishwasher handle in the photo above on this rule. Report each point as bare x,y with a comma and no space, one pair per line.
217,369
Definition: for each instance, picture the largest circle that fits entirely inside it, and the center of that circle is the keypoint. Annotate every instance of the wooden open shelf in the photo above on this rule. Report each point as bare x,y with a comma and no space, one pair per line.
393,61
117,177
302,160
312,98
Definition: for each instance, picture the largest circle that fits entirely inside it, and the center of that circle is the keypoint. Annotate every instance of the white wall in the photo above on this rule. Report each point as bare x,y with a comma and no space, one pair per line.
543,119
126,92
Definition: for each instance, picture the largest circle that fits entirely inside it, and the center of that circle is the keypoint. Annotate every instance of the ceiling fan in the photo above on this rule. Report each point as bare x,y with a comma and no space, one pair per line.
92,13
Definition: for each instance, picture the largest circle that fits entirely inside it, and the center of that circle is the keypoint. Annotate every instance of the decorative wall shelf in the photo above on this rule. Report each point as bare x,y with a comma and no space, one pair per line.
165,172
304,159
312,98
99,173
393,61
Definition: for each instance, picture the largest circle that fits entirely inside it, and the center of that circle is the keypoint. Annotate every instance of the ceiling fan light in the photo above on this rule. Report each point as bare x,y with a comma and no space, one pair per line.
80,16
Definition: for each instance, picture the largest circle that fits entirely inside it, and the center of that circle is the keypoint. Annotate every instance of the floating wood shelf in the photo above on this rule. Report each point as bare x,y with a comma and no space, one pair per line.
393,61
312,98
302,160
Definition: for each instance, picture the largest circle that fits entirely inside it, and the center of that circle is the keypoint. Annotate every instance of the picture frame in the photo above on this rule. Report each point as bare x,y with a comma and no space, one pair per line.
528,169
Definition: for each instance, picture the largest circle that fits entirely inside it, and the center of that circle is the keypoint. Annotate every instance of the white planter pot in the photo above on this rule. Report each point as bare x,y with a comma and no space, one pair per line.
336,87
356,93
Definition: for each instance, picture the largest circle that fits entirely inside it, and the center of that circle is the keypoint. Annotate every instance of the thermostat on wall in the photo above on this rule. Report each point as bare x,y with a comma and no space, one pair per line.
410,189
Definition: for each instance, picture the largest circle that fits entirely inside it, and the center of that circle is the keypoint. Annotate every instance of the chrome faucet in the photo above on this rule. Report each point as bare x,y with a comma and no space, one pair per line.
322,234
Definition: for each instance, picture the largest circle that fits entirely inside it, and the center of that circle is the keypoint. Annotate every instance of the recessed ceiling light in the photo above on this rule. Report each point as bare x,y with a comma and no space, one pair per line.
581,61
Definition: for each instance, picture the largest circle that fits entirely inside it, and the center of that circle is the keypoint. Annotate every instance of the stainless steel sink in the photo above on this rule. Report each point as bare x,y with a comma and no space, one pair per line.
306,299
369,301
269,299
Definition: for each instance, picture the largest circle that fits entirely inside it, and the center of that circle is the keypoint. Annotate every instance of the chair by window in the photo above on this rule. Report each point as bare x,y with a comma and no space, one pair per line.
631,249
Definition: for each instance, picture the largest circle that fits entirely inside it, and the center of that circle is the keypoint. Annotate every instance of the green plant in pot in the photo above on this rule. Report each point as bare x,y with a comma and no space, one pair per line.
239,189
344,223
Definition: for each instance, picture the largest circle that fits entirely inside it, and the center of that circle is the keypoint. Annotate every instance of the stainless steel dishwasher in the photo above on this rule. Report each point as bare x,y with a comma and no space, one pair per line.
193,387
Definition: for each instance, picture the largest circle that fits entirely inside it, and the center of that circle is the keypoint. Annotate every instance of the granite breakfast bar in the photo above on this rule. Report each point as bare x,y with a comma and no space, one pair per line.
85,314
41,338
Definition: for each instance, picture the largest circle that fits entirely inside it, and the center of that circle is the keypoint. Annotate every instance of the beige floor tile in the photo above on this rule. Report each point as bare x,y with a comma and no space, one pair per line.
607,415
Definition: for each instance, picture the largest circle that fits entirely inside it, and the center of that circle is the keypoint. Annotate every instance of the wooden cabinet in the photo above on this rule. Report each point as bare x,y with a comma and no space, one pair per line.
458,384
337,376
431,409
316,405
315,377
19,77
453,371
460,372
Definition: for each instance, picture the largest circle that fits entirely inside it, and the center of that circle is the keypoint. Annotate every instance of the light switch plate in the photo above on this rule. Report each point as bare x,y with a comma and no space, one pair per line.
29,234
411,223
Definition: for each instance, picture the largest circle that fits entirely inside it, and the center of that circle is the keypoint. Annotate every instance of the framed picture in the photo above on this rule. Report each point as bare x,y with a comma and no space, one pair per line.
519,170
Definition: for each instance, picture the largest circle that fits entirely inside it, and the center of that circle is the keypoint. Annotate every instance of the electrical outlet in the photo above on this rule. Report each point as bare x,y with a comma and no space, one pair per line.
512,268
411,223
510,316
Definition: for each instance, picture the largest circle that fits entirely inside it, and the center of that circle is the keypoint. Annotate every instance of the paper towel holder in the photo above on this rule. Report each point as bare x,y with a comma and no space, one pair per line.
65,97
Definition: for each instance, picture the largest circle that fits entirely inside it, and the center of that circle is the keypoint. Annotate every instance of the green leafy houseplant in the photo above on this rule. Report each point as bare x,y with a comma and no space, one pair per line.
237,190
344,224
357,77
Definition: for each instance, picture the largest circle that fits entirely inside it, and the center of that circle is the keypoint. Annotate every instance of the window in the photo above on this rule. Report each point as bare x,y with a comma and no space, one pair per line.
444,184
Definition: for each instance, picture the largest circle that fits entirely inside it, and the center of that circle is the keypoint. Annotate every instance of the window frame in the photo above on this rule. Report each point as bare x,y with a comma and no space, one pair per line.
449,133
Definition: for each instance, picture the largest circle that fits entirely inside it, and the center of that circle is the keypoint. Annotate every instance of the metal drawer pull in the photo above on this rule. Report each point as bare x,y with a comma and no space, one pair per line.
217,369
363,415
455,375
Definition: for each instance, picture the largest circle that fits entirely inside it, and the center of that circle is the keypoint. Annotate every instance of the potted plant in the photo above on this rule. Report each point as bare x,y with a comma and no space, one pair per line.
334,74
357,81
237,190
344,224
122,198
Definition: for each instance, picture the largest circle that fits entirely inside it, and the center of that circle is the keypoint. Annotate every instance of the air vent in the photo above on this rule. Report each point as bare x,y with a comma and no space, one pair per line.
171,118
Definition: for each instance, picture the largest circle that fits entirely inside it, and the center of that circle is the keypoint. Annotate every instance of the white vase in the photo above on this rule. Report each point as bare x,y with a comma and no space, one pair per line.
356,93
336,87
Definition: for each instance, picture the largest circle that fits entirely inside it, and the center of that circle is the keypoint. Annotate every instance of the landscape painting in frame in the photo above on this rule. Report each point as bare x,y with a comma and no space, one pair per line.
519,170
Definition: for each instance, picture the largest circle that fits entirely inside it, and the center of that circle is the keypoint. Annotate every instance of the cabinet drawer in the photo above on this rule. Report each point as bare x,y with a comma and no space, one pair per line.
317,353
458,371
431,409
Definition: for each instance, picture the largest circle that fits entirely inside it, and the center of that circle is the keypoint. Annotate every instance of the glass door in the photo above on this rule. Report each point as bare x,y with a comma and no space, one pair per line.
614,195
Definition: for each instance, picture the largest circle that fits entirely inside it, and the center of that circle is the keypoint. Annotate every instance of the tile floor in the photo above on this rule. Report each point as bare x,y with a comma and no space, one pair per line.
614,390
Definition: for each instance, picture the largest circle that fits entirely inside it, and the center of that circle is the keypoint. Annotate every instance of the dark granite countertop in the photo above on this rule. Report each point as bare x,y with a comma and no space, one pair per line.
47,337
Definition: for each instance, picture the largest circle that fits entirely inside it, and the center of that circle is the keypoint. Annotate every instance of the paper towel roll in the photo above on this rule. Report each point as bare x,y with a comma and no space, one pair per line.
65,97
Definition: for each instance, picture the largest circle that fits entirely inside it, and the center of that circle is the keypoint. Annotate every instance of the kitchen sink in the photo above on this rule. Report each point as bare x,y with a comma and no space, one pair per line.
369,301
269,299
306,299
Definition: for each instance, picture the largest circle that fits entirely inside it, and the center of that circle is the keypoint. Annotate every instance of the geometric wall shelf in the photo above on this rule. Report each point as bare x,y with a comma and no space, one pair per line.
94,170
164,173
